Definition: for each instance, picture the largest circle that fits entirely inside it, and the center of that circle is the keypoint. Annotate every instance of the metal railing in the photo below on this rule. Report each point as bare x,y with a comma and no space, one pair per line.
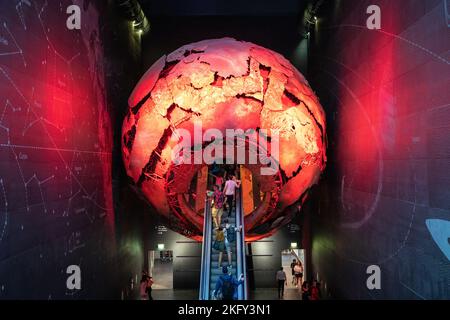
240,246
207,246
206,253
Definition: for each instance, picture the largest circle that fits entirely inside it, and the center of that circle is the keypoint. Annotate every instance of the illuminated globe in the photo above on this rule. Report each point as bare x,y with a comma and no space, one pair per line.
223,84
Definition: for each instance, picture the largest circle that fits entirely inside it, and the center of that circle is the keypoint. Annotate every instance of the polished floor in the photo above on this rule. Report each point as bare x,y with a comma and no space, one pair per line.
163,277
260,294
272,294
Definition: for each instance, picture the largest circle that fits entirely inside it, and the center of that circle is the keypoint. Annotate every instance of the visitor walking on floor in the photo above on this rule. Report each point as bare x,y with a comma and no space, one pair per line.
145,287
293,264
281,279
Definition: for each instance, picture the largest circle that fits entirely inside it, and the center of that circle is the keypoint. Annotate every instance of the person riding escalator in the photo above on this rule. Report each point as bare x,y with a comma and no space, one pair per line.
226,286
230,192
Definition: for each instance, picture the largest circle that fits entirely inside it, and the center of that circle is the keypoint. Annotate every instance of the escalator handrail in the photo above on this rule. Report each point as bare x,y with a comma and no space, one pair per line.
206,253
240,246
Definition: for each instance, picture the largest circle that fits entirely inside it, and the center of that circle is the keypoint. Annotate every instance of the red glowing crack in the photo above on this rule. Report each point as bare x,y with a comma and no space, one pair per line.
227,84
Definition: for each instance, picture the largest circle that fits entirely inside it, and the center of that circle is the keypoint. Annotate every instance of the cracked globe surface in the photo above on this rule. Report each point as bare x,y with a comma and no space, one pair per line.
225,84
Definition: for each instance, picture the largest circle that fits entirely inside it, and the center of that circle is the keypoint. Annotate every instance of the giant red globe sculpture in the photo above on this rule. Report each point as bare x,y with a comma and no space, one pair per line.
223,84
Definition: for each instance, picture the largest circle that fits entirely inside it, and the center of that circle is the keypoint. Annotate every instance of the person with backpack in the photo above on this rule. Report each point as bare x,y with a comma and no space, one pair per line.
226,286
229,237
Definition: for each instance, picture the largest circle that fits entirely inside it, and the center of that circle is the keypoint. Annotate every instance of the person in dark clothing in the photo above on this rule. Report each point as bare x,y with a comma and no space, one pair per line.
215,169
226,286
148,290
315,291
145,287
229,232
281,279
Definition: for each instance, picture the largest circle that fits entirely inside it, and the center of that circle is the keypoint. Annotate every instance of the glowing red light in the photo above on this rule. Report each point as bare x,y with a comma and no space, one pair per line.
225,84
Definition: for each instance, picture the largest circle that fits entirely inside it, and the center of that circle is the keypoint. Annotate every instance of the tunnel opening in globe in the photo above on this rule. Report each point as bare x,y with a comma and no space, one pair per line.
222,86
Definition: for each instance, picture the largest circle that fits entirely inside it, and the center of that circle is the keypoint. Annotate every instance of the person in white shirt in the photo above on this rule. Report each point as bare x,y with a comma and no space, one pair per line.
229,190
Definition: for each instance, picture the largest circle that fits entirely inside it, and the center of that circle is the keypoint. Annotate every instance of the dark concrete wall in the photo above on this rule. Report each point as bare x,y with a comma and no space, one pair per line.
387,101
187,253
146,225
169,33
222,7
264,258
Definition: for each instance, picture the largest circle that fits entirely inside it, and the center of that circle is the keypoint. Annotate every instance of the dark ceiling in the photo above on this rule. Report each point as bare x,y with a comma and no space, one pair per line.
223,7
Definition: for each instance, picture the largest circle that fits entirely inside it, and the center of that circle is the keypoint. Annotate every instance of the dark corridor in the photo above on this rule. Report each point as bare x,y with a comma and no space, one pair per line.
381,197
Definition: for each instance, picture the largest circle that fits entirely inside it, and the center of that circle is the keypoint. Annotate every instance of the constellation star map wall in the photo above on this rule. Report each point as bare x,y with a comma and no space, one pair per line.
55,135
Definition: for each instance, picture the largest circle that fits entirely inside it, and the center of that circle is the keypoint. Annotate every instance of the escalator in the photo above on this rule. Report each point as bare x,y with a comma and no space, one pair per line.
210,270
